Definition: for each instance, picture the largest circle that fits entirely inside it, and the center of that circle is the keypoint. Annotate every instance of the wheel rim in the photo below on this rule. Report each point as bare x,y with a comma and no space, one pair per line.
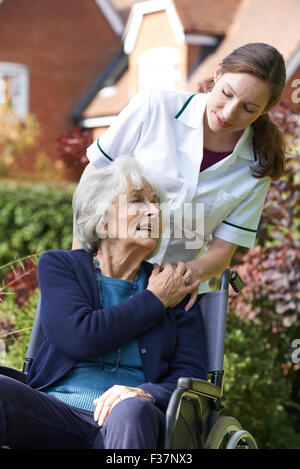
227,435
244,437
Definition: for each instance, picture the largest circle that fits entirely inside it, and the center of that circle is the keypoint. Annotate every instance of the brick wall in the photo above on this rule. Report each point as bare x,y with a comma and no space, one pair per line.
65,45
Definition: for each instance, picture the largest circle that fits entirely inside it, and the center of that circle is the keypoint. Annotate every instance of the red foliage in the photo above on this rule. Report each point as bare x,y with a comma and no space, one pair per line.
271,271
72,145
271,293
23,281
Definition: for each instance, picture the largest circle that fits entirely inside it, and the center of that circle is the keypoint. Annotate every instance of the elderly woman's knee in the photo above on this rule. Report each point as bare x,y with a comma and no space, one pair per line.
136,405
12,391
132,409
5,381
133,423
6,385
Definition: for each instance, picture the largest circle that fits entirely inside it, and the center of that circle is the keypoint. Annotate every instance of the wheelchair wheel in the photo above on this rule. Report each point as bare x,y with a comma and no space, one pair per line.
227,433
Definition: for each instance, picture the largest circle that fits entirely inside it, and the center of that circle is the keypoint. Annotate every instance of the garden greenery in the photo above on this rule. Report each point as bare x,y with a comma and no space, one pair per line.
34,219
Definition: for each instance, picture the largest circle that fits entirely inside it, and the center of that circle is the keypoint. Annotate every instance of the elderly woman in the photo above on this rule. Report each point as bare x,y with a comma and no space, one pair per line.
114,344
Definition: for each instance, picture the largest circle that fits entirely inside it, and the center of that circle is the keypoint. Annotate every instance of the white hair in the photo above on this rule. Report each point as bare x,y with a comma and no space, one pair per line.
98,189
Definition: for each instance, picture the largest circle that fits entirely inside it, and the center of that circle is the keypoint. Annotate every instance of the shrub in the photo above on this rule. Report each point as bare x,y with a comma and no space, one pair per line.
17,327
34,219
22,279
17,306
8,313
271,270
270,298
72,145
17,136
254,384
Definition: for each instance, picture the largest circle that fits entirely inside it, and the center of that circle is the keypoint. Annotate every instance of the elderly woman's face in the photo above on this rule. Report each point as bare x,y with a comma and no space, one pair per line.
135,217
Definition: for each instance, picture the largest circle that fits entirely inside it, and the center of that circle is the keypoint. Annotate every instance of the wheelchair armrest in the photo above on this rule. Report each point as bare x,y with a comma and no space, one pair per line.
193,405
199,386
12,373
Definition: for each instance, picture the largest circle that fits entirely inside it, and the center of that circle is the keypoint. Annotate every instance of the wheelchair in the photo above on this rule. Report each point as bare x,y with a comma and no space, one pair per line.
194,417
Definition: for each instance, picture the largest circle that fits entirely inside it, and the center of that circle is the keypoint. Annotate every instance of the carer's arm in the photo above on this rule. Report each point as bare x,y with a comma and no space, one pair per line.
211,264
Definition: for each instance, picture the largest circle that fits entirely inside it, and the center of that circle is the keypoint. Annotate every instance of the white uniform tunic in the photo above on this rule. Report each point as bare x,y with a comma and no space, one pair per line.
163,130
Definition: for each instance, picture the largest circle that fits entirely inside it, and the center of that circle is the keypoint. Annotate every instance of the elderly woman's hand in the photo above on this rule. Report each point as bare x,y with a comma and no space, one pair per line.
168,283
113,396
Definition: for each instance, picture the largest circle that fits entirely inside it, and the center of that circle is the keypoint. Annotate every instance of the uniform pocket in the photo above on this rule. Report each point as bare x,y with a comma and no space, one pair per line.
216,210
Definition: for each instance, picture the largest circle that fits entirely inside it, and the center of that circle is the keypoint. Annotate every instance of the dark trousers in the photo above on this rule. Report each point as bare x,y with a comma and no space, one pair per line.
32,419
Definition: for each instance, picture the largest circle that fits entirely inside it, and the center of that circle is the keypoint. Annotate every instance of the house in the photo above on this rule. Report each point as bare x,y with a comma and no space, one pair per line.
179,43
50,55
163,43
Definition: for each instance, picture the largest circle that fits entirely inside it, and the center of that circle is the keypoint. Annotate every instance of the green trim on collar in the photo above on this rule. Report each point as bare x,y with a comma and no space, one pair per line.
103,152
240,227
184,106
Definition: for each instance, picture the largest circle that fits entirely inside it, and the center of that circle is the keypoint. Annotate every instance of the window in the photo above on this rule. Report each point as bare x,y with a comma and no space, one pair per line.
14,87
158,68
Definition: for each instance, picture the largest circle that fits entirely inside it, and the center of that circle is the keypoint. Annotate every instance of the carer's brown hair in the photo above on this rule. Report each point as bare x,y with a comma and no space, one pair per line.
266,63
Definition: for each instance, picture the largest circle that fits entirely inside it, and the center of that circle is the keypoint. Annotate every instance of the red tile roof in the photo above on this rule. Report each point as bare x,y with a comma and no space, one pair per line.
206,16
196,16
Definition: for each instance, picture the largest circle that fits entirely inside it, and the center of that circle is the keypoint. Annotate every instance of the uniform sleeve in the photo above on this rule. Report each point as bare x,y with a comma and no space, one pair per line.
123,135
240,227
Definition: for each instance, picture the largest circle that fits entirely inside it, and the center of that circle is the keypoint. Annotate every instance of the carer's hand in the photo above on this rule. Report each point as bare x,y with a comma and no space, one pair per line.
113,396
192,267
168,283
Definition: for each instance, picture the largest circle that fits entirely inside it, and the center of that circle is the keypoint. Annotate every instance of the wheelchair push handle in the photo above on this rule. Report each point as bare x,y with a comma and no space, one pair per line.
214,307
231,277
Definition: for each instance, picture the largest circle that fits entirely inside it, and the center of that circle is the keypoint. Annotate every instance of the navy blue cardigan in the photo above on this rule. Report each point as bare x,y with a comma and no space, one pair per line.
171,341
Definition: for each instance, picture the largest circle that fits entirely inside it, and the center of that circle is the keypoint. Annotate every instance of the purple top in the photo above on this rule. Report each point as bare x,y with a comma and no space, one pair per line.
212,157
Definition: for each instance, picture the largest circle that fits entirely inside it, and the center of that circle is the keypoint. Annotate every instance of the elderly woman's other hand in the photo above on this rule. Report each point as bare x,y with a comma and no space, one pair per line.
170,283
113,396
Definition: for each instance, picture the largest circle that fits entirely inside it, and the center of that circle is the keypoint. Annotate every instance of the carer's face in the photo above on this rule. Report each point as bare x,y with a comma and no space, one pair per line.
236,101
135,217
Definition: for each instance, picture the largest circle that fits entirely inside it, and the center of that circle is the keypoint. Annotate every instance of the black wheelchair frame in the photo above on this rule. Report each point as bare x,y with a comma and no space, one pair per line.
194,415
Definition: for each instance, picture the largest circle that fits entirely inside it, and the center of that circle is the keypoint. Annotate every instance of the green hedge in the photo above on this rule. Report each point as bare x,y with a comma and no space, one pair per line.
34,219
21,320
255,387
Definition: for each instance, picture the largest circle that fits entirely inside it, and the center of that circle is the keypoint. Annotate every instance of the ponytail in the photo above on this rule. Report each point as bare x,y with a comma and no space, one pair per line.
269,147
